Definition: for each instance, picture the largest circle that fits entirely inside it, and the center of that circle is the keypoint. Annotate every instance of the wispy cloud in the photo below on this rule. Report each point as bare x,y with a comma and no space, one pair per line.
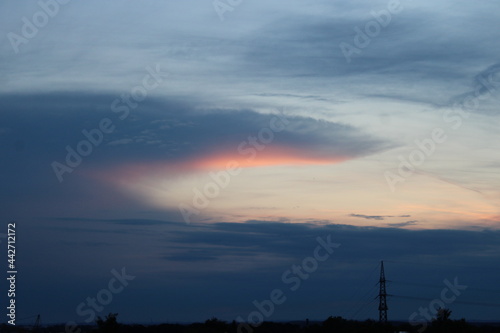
402,224
376,217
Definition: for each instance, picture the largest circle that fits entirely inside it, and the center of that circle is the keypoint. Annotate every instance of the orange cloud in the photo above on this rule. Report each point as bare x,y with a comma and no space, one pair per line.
269,156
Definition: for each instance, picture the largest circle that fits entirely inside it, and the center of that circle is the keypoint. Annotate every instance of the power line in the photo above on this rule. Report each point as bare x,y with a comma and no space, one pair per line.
416,264
440,286
454,302
366,309
365,305
361,301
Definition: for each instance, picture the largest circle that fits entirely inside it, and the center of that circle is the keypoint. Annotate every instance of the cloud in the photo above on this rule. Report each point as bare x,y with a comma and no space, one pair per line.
163,137
403,224
190,133
481,99
290,241
192,256
236,263
368,217
376,217
120,142
129,222
226,80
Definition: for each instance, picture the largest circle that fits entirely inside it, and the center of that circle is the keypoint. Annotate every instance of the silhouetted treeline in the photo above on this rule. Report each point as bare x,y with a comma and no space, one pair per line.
330,325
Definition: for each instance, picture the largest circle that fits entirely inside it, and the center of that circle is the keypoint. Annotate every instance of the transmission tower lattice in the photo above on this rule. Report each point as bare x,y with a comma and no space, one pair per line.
382,295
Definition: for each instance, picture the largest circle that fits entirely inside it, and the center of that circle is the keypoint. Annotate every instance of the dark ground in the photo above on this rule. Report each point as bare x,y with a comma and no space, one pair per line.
330,325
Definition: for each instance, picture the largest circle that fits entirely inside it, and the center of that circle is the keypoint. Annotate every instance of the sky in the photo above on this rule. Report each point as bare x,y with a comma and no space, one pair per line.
177,161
